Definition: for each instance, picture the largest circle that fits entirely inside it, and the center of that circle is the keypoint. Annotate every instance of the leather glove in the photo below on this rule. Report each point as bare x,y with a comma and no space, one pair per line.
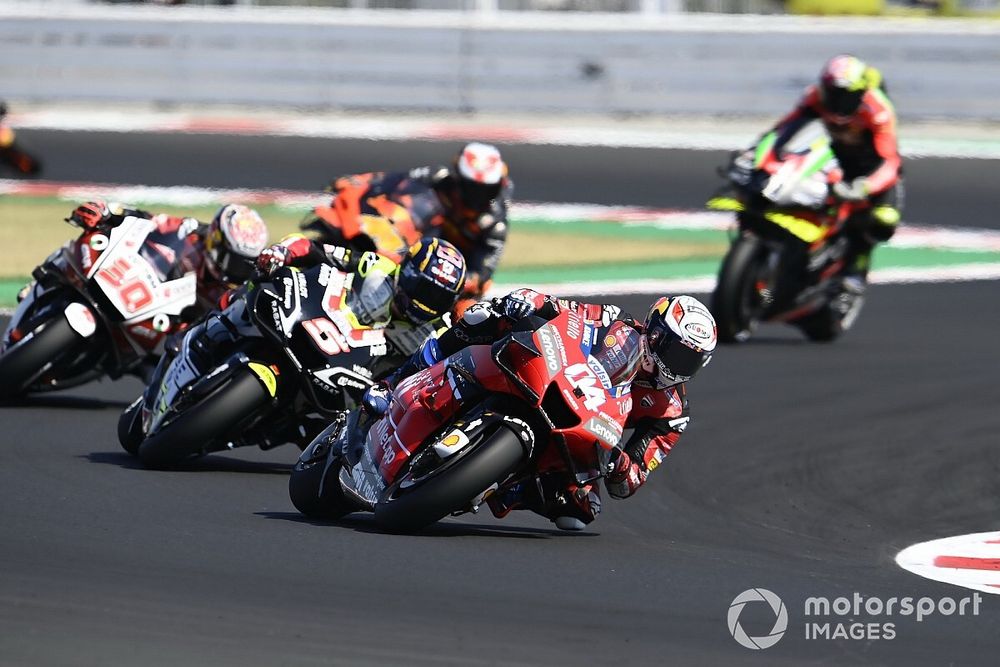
516,308
376,400
619,466
273,258
856,190
91,214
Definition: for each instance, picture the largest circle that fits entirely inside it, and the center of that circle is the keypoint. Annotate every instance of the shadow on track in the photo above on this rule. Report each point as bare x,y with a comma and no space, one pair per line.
66,402
209,463
366,524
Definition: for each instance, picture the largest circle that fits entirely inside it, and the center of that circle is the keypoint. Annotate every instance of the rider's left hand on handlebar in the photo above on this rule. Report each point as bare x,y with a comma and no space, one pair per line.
273,258
377,399
90,215
856,190
619,466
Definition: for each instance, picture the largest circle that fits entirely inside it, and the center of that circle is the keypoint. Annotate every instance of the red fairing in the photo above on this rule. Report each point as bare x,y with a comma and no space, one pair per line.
422,404
426,402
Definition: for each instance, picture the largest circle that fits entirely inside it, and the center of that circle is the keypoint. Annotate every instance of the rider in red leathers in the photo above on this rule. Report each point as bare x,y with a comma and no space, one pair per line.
676,340
465,203
851,100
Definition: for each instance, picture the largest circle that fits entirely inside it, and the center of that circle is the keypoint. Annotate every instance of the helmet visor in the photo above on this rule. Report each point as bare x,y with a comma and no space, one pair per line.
234,268
841,102
676,361
477,196
420,298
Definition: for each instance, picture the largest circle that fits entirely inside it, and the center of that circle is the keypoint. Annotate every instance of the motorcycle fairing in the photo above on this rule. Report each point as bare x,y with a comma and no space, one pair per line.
131,283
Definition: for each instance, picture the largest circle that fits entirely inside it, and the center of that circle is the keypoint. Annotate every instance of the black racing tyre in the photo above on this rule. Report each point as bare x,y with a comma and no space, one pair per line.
130,427
735,303
451,486
23,361
832,320
315,490
217,415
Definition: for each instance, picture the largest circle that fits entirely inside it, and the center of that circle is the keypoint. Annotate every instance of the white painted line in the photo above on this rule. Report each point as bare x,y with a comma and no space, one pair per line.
971,561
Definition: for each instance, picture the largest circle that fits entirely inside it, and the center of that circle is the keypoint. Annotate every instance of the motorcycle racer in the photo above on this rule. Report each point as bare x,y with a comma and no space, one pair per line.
677,339
221,252
411,300
851,101
464,203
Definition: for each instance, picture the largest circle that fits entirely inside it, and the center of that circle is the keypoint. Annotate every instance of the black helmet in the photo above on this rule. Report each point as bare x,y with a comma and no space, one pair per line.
430,279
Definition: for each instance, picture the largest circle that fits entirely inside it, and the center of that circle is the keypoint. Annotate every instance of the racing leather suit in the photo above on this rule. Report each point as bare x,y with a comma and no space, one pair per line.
867,149
403,337
427,193
658,415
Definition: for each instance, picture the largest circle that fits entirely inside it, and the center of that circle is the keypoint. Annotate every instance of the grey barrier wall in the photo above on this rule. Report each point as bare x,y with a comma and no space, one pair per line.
445,61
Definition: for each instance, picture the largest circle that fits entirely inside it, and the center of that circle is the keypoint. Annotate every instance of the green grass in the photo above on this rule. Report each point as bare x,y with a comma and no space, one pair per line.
31,227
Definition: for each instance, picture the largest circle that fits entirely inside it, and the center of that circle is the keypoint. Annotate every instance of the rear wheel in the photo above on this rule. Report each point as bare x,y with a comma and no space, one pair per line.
452,485
216,416
833,319
25,360
738,302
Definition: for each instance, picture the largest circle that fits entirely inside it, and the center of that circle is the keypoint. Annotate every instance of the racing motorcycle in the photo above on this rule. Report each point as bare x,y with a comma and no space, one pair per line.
276,365
486,422
786,259
362,223
100,305
13,155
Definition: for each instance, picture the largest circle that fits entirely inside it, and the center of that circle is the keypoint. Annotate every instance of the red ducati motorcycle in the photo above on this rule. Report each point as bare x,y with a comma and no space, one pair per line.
545,400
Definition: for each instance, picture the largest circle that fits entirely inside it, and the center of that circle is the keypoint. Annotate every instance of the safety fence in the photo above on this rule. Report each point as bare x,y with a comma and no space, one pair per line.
468,62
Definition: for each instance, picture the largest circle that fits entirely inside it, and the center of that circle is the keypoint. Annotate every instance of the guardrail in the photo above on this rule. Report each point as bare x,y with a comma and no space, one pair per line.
468,62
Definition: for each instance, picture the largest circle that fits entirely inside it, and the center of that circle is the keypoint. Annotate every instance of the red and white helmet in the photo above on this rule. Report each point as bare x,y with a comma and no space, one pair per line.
680,338
479,172
236,235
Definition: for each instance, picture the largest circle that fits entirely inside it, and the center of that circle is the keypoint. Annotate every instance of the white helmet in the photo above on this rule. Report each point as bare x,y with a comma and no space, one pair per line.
480,172
680,338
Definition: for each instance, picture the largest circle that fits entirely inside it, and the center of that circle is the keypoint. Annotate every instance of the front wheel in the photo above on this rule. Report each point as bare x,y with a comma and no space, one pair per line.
130,427
738,302
28,358
220,414
451,486
315,489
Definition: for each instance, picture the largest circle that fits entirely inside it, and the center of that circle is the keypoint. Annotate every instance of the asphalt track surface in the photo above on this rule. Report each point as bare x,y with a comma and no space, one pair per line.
806,468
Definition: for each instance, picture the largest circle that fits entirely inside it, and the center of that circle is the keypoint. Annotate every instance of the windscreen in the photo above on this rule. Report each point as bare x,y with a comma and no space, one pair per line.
619,352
